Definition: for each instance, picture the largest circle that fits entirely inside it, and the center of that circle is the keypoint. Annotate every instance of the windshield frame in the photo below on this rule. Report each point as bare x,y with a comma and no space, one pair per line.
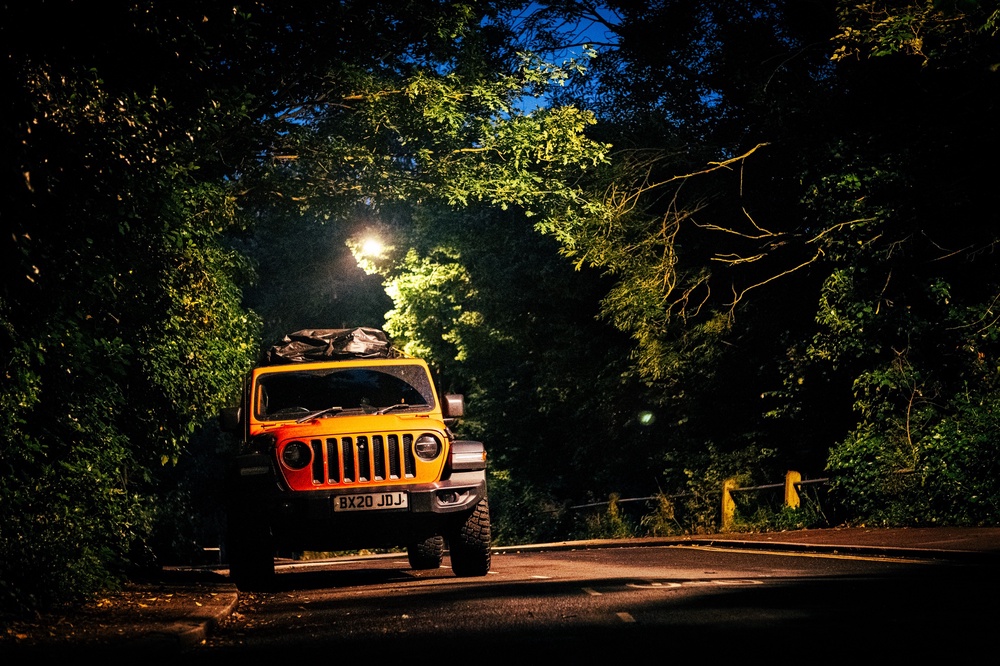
290,393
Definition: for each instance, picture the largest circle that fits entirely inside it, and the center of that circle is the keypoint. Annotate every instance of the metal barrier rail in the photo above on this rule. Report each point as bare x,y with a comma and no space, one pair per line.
793,482
625,500
791,485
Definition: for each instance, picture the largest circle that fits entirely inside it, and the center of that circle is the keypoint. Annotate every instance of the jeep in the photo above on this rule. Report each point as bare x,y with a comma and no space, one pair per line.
344,445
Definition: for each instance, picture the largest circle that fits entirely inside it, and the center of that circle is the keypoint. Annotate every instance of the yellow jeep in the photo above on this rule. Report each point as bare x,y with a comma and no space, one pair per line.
345,445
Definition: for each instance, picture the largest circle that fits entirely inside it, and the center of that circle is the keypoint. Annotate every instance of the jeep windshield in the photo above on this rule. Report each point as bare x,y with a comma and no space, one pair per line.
330,392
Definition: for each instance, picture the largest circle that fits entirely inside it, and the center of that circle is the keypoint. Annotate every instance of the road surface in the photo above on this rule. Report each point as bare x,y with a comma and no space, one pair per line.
640,605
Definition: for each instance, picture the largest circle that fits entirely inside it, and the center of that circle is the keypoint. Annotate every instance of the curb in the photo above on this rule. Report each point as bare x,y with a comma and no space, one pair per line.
868,551
194,631
183,635
971,556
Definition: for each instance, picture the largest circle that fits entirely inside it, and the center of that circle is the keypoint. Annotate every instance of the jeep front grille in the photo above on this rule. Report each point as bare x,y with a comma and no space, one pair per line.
362,459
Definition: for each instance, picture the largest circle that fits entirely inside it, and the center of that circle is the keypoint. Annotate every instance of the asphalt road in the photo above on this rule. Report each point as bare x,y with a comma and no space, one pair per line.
828,595
643,604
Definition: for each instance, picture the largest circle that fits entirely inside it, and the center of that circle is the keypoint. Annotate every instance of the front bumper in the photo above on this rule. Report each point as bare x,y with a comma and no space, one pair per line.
301,521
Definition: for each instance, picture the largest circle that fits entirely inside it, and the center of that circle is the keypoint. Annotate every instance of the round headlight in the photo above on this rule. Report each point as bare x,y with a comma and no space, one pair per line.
296,455
427,447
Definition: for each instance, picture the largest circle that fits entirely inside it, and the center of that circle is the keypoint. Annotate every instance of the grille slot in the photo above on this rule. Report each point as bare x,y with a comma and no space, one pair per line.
393,447
332,461
378,458
363,459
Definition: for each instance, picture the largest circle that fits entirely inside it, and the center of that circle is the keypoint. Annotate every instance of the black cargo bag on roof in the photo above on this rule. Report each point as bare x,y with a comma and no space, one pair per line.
330,344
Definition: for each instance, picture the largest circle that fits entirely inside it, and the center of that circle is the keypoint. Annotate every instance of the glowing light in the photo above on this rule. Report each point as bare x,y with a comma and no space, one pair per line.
372,247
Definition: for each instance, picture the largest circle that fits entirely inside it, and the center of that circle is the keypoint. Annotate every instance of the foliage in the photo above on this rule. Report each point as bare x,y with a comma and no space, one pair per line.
139,162
842,188
732,239
764,511
510,323
662,521
122,317
929,30
70,523
611,523
923,453
523,513
307,276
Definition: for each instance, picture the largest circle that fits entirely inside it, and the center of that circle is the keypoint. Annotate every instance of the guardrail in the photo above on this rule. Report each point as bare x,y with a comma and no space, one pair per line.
625,500
792,484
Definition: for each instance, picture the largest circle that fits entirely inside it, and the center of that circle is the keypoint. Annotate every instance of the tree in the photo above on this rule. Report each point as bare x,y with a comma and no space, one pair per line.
788,177
512,325
122,321
699,221
144,147
910,312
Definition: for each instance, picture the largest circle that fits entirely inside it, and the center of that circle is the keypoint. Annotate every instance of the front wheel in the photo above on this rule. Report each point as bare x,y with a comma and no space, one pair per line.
469,545
426,554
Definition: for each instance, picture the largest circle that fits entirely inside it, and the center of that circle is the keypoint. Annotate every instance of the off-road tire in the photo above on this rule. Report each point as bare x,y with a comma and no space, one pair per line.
426,554
469,544
250,551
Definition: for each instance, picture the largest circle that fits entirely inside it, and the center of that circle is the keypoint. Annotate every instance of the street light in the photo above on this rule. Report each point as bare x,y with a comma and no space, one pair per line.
371,248
368,251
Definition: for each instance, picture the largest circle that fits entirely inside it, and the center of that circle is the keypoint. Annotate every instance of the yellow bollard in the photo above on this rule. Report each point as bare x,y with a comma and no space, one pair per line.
728,505
791,491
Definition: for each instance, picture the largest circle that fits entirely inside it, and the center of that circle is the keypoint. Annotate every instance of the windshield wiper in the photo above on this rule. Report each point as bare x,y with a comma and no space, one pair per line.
317,414
401,405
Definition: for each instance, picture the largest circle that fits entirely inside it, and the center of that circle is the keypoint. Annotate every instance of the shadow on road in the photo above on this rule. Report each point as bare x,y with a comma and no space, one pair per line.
915,611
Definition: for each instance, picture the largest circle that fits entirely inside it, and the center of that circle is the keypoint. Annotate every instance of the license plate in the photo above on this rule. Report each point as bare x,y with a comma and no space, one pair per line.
371,501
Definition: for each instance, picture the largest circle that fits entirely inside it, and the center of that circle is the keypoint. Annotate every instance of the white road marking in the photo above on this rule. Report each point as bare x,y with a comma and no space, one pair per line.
696,583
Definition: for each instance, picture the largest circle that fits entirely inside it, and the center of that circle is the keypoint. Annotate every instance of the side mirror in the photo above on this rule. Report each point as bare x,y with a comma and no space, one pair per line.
229,419
453,406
